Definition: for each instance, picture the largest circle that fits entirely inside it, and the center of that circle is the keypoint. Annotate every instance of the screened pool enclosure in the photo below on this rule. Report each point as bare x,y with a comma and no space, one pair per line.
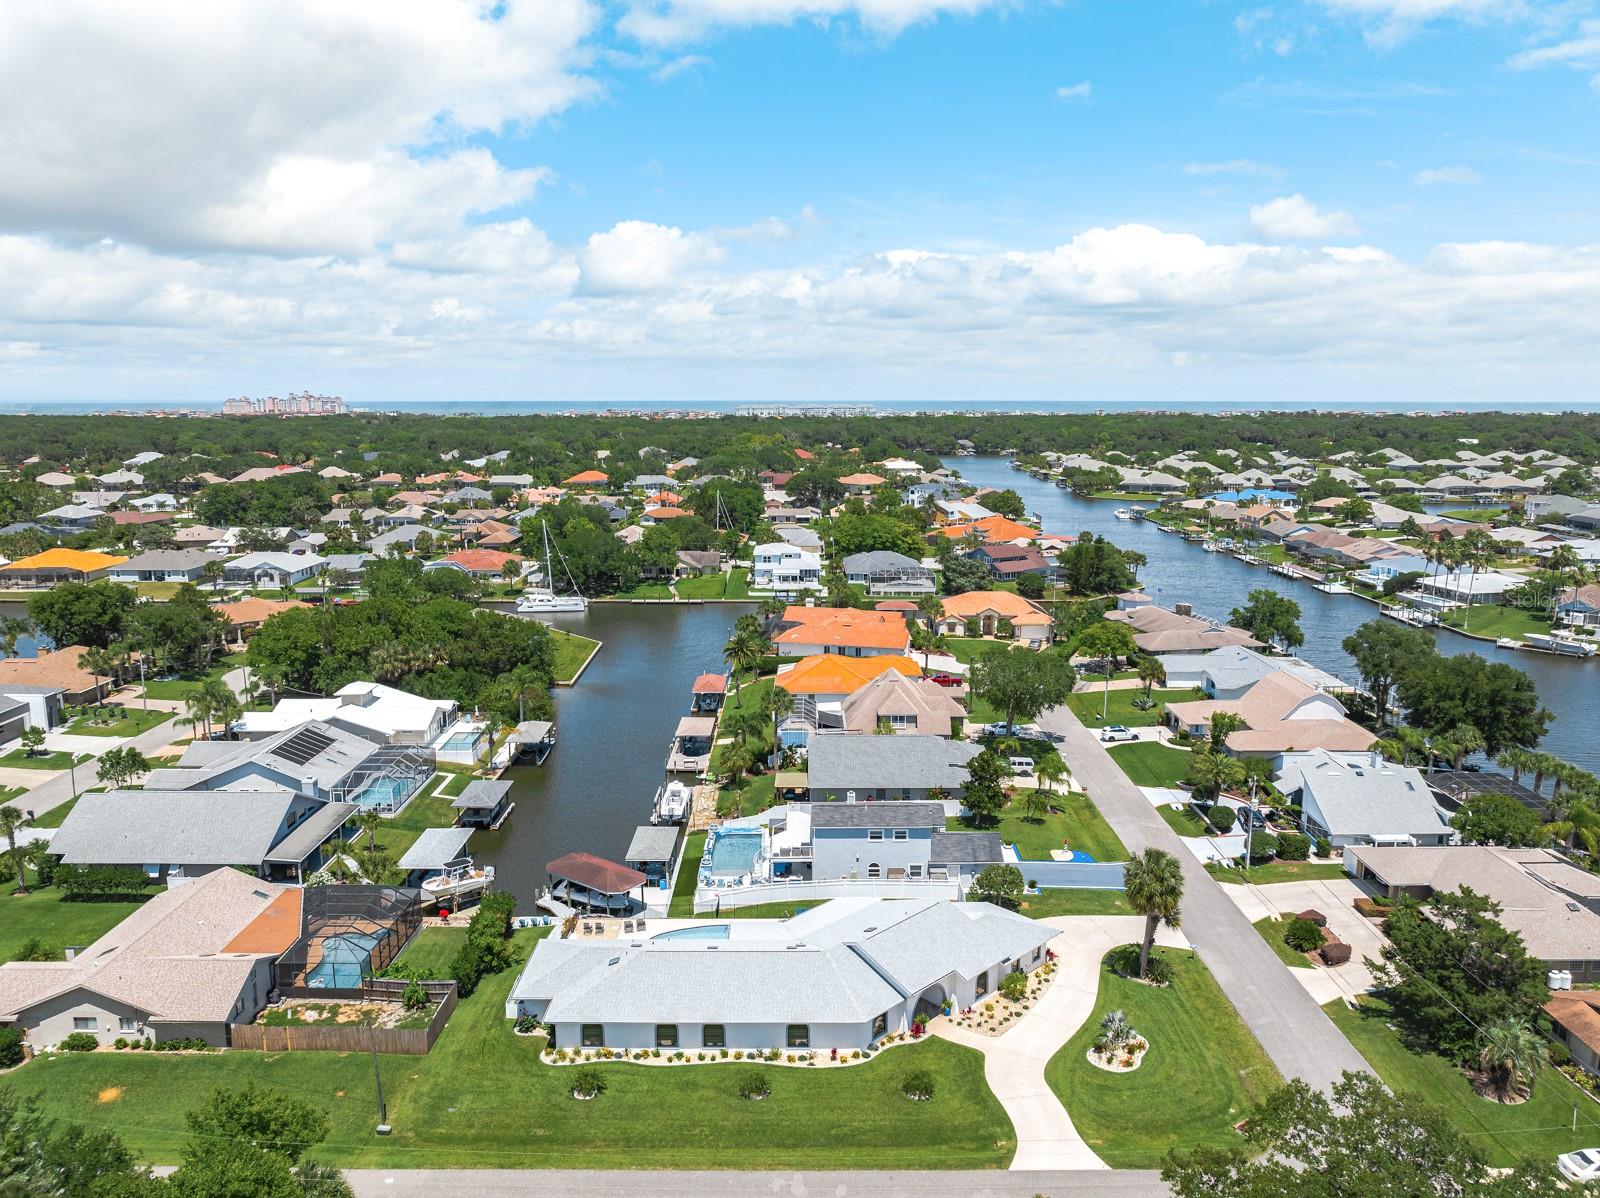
347,933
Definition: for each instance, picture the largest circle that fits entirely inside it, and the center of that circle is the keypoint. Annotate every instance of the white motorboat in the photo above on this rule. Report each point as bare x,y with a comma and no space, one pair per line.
1508,642
543,600
459,877
1556,643
1212,547
1123,513
672,804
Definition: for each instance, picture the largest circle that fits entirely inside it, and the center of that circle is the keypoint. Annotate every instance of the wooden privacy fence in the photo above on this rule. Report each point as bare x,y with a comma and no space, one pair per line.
404,1041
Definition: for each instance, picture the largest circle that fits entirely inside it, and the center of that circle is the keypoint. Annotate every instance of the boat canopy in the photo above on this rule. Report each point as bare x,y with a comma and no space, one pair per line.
436,848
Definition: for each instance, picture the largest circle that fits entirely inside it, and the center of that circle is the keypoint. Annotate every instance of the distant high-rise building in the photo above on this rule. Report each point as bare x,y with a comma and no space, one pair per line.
304,404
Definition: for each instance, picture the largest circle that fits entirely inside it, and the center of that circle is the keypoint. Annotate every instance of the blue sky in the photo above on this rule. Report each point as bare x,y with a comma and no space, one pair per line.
801,199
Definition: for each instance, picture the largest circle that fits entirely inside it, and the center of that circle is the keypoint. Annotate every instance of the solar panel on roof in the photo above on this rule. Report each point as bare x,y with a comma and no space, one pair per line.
304,745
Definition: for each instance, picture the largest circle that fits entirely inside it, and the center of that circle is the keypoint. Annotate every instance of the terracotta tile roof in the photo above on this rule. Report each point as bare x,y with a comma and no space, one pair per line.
481,561
253,610
1576,1011
67,559
57,667
992,528
667,513
586,476
1002,604
863,480
831,674
709,684
120,518
843,627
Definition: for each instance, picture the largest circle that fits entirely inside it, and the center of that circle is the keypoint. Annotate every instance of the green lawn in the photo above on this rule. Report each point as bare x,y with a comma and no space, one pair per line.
426,810
706,586
131,722
1539,1128
1120,707
967,649
646,590
1185,822
748,698
1075,902
432,949
738,583
750,796
56,816
1492,622
1477,515
18,759
1281,871
1272,929
47,915
1149,764
1076,823
1203,1072
682,905
482,1099
182,688
571,651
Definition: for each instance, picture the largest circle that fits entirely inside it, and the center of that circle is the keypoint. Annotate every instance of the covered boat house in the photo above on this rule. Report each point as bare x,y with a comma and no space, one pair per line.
594,885
483,803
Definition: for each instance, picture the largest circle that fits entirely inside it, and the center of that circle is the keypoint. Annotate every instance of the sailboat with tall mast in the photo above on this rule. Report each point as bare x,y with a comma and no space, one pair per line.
542,599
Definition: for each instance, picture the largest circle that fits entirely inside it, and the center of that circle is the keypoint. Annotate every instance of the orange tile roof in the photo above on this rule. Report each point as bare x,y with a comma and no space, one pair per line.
805,455
992,528
667,513
254,610
586,476
274,930
67,559
481,559
862,480
709,684
832,674
845,627
1002,603
665,497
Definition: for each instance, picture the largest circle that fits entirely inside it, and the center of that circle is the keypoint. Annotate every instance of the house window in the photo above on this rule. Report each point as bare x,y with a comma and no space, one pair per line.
982,985
905,793
902,834
914,871
127,1023
594,1035
874,833
799,1035
713,1035
872,869
666,1035
85,1023
1037,953
880,1025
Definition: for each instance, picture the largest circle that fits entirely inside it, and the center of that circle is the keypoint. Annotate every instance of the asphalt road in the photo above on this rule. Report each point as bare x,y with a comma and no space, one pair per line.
57,790
486,1183
1294,1031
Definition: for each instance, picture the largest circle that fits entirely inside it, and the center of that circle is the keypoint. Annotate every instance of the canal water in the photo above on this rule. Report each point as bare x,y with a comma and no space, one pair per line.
1181,571
612,731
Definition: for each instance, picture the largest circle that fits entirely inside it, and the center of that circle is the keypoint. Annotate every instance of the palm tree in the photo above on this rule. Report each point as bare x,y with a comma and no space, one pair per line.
737,758
1517,761
744,651
1462,740
772,606
1153,885
12,630
369,821
221,704
10,820
1212,773
1035,805
1151,673
1051,769
98,662
197,711
1511,1054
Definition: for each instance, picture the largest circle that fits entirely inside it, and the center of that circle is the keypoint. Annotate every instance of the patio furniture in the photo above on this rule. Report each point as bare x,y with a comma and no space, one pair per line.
627,926
640,925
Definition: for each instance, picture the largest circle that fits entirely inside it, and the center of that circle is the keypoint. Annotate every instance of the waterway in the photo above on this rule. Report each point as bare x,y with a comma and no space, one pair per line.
1181,571
612,732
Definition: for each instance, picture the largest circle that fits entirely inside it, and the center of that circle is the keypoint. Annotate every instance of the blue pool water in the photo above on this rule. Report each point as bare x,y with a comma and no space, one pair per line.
385,793
461,742
346,959
1258,493
709,931
735,852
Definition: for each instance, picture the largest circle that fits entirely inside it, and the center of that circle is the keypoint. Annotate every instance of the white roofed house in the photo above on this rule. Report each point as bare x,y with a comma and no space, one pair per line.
1360,798
369,709
780,566
279,570
839,976
164,565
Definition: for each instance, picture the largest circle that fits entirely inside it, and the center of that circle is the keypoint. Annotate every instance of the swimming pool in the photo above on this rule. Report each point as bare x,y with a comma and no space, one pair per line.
346,959
706,931
386,794
734,852
1260,494
461,742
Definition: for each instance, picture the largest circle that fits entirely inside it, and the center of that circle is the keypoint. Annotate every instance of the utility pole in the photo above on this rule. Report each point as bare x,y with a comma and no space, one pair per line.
377,1083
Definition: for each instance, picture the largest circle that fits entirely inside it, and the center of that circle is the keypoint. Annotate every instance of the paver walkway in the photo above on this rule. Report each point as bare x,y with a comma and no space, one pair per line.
1014,1061
1290,1026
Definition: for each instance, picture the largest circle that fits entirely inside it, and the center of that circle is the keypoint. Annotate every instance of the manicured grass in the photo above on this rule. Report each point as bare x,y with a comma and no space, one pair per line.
131,722
748,797
1185,822
56,816
1539,1128
646,590
1149,764
18,759
432,949
182,688
1120,707
1476,515
1076,823
482,1099
426,810
705,586
1075,902
46,914
967,649
738,583
682,905
571,651
1492,622
1281,871
748,698
1272,929
157,591
1203,1072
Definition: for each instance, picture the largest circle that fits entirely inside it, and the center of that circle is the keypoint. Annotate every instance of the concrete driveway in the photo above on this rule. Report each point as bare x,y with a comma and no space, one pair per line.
1332,897
1290,1026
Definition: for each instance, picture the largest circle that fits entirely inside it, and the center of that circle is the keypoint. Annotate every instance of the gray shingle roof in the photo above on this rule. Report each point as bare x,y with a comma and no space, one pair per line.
172,827
841,763
435,847
311,832
652,844
1362,797
877,815
965,848
482,794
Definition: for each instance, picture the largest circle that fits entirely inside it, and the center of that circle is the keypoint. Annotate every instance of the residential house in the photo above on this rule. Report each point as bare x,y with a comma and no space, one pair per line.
164,565
491,565
182,966
992,530
1156,630
1030,624
55,566
55,670
280,570
1580,606
806,631
697,563
861,483
801,538
883,572
405,538
76,517
875,768
23,706
369,709
1360,798
1282,714
1229,672
897,703
244,616
161,501
1008,562
821,684
780,566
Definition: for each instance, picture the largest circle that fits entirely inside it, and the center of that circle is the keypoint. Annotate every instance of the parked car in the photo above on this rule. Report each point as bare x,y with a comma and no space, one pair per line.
944,679
1000,729
1582,1165
1118,732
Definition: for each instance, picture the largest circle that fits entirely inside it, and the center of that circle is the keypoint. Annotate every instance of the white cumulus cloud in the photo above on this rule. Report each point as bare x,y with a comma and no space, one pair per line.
1295,218
1076,91
638,256
661,22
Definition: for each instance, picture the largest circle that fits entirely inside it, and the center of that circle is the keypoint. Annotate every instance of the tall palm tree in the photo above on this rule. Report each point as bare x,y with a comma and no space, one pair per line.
1517,761
1212,773
772,606
1511,1055
1151,673
1153,885
368,822
197,711
1461,741
99,663
744,651
1051,769
10,820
